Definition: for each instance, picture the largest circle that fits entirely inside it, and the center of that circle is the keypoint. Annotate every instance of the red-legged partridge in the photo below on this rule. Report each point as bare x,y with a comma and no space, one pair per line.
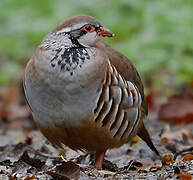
83,93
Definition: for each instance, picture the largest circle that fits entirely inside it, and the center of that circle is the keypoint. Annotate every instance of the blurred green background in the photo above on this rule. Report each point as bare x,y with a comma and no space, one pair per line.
157,35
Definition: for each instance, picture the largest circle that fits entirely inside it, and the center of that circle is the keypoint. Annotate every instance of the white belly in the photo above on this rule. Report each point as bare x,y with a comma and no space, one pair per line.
54,101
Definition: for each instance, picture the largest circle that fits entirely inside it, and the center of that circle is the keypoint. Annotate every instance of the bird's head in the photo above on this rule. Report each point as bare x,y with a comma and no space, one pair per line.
83,29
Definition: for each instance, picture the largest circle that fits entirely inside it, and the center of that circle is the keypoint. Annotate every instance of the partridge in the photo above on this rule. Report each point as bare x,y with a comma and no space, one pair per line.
84,94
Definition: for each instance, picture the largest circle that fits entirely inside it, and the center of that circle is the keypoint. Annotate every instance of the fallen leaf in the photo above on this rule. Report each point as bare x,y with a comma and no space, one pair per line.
3,111
37,163
154,101
183,176
66,170
11,94
28,140
150,100
30,178
178,109
167,160
164,141
187,157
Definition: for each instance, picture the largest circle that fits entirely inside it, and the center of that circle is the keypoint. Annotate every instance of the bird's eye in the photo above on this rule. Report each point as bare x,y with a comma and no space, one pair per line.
88,28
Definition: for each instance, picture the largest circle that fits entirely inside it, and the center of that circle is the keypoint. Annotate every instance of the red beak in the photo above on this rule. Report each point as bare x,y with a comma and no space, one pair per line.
105,32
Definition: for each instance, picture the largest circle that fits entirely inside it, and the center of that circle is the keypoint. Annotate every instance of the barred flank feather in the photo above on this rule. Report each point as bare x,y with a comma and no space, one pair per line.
117,105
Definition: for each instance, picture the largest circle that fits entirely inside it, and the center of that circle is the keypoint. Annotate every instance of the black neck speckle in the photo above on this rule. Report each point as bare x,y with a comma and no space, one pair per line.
69,58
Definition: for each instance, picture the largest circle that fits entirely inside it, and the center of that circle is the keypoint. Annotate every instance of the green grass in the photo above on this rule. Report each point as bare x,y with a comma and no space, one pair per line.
156,35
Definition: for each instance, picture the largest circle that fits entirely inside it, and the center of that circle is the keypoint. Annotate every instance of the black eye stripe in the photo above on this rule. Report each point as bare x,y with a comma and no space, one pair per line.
82,32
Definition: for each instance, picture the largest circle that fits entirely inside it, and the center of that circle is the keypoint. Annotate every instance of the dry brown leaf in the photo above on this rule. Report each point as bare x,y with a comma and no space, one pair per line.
37,163
164,141
11,94
3,111
167,160
187,157
66,170
30,178
173,112
28,140
13,108
154,101
183,176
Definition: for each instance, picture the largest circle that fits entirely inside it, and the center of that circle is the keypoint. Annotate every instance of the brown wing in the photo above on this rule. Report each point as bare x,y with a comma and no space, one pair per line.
129,72
126,69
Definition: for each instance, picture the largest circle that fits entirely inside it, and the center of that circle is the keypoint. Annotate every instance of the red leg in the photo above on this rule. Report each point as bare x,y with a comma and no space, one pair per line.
99,157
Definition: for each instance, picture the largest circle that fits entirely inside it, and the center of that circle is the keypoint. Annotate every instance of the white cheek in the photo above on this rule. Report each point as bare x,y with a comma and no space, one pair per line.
89,39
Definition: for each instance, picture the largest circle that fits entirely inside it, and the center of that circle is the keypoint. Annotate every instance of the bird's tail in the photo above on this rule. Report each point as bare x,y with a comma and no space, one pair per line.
143,134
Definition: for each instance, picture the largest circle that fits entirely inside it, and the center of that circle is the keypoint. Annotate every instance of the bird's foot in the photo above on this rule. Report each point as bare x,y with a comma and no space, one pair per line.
99,158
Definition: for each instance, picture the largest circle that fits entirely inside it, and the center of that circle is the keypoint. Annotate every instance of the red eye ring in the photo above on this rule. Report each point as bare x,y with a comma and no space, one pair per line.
88,28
